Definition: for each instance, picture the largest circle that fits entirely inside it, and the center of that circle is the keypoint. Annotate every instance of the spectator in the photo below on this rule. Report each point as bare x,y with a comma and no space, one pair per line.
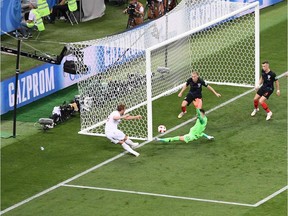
33,21
62,7
135,10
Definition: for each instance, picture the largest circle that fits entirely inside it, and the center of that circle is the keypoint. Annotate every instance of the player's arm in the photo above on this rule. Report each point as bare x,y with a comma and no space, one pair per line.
207,136
199,116
182,90
128,117
214,92
277,87
118,117
260,83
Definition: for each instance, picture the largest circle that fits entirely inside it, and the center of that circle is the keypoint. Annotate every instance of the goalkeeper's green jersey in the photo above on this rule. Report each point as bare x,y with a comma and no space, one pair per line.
200,125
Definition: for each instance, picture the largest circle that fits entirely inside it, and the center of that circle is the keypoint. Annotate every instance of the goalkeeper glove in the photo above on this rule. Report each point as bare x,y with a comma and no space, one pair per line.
210,137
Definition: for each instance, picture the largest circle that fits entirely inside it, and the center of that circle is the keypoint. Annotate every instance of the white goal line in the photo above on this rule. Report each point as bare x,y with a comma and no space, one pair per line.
122,154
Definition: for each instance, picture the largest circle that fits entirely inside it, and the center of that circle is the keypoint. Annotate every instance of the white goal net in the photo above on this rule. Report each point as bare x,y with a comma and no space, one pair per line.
219,39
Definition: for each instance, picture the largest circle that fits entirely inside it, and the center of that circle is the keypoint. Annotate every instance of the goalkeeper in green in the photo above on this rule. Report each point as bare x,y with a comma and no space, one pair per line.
195,132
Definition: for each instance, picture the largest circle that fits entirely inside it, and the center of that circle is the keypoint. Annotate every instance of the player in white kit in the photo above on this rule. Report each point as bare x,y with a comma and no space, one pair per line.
117,136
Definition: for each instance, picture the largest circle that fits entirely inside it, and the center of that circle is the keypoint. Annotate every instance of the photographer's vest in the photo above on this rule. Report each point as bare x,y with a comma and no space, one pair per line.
39,22
72,5
43,8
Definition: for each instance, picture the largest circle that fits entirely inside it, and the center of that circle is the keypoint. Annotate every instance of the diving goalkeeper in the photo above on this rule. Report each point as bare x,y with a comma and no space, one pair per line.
195,132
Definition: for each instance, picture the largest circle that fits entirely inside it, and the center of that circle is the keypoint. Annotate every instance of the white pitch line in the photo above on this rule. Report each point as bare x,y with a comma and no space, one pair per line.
271,196
159,195
209,111
114,158
60,184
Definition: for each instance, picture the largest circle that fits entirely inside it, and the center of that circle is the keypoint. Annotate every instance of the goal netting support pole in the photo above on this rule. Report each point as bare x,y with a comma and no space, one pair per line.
219,39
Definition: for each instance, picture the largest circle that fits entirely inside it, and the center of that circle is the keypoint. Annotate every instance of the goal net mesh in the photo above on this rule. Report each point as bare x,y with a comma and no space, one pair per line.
113,70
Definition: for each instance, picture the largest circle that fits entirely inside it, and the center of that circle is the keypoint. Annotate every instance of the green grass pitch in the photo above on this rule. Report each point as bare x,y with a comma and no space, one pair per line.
246,163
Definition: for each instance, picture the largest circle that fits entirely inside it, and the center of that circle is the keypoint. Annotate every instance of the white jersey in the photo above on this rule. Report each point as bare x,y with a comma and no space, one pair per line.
32,16
111,124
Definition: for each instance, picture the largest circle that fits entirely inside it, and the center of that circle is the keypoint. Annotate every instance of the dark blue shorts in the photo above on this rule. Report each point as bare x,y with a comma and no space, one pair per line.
265,92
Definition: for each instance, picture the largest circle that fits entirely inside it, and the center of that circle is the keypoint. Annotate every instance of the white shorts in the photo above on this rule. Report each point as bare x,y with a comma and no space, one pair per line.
115,136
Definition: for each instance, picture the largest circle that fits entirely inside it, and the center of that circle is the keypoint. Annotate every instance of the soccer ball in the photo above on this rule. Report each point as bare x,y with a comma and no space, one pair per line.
161,129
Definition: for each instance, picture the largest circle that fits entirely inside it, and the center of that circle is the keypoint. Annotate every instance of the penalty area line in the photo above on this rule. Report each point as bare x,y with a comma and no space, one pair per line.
117,156
213,109
159,195
107,161
271,196
209,111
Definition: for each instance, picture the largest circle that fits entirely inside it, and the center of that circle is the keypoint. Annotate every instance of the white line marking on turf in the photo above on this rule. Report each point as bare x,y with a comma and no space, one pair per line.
60,184
159,195
114,158
271,196
211,110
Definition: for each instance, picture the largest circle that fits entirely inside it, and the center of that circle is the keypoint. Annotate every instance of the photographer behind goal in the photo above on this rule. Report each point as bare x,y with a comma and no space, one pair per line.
135,10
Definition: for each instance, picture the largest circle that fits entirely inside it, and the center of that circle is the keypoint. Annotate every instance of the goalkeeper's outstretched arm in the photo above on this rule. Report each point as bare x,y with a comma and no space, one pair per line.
207,136
200,116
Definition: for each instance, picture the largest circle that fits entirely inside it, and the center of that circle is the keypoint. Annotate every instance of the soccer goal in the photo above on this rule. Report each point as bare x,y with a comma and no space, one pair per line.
219,39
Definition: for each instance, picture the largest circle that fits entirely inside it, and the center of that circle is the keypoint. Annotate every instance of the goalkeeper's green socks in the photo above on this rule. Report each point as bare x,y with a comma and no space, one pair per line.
170,139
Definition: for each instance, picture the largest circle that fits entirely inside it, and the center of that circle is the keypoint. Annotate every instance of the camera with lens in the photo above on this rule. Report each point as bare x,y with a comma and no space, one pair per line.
131,9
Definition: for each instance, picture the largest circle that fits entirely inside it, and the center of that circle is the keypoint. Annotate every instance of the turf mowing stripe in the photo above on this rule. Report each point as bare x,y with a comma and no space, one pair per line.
159,195
271,196
118,156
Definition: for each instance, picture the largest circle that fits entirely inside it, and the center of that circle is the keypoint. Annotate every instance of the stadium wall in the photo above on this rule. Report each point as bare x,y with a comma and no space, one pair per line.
46,79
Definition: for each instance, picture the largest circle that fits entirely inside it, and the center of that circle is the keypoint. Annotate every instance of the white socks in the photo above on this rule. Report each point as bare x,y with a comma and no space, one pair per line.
128,148
131,143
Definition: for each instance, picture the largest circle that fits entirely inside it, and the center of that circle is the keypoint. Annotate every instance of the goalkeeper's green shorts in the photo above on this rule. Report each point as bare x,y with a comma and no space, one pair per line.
190,137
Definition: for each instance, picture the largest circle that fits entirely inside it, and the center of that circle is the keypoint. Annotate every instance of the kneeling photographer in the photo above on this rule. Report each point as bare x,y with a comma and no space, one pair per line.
135,10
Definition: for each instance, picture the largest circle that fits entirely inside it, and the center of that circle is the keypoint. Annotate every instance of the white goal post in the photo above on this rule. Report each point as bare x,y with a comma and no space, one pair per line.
219,39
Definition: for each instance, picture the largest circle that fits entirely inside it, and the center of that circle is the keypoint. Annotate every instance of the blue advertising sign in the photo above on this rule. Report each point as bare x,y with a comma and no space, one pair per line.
32,85
10,15
37,83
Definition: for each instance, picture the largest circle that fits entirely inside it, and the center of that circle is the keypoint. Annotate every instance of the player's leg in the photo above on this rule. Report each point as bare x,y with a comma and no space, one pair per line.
129,149
118,137
264,105
197,102
189,137
171,139
256,103
183,108
187,101
130,142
